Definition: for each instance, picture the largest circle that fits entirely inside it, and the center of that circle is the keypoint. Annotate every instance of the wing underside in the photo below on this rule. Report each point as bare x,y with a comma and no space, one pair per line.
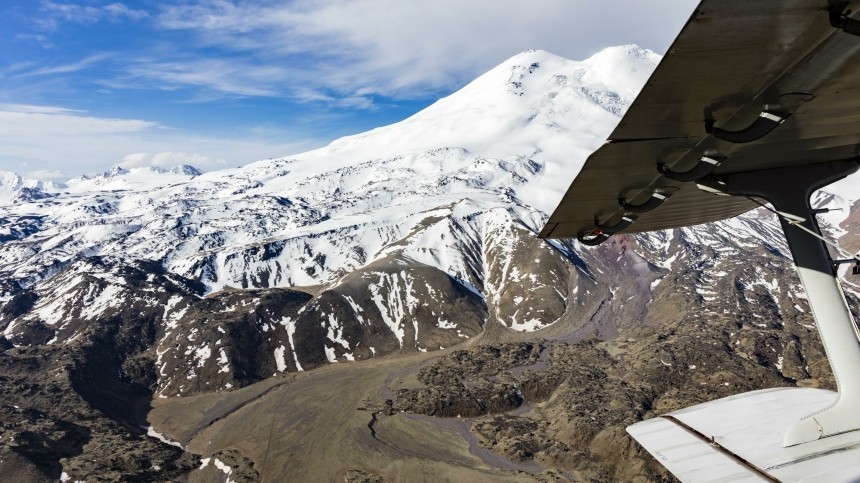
746,85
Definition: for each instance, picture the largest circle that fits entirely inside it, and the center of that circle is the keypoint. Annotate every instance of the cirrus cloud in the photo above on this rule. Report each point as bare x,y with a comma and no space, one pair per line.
55,13
169,159
412,49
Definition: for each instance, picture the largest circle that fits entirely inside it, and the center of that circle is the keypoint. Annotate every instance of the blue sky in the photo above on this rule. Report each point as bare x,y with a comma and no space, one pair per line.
87,85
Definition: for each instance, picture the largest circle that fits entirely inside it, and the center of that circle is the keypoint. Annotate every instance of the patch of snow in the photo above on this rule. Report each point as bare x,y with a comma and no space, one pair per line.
330,354
530,325
290,325
152,433
223,361
226,469
279,358
202,354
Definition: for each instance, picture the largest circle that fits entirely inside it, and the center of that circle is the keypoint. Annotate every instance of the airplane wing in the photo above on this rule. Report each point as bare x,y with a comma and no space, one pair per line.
755,99
739,438
738,69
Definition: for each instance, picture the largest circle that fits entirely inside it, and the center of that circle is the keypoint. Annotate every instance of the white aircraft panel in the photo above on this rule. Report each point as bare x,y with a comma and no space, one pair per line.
750,426
686,456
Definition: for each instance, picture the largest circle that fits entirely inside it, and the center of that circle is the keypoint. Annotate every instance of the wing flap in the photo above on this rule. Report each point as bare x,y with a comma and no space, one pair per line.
687,456
745,433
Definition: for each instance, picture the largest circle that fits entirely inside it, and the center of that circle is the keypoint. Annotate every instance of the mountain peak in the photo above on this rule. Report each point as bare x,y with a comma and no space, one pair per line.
530,56
115,171
186,169
625,68
631,51
15,188
10,180
535,104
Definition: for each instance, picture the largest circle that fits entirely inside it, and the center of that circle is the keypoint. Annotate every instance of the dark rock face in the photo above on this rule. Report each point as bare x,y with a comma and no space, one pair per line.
172,340
850,241
575,399
226,340
466,383
420,306
526,281
21,303
66,410
461,399
235,338
34,332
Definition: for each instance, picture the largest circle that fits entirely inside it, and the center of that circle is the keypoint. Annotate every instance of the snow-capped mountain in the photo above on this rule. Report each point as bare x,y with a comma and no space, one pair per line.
14,188
409,237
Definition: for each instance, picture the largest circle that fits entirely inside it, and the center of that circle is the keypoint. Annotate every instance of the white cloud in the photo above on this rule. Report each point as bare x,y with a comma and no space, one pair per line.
407,49
40,39
119,10
47,175
54,13
356,102
169,159
35,109
61,124
82,64
222,75
47,139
